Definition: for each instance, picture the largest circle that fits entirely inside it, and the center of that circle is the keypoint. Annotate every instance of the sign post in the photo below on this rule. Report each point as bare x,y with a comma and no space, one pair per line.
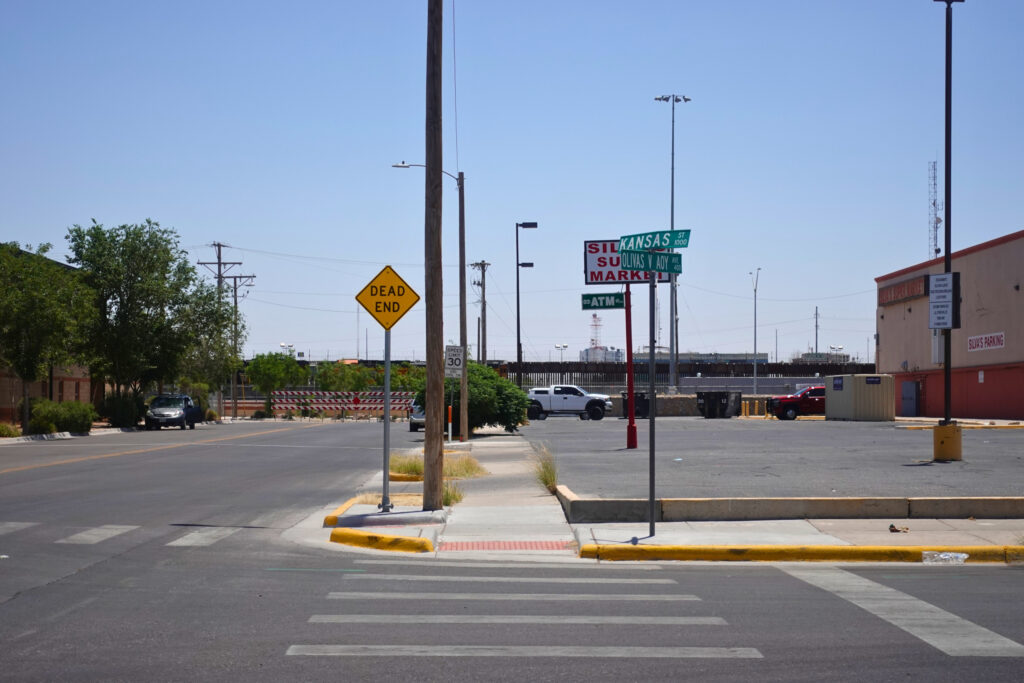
638,252
387,298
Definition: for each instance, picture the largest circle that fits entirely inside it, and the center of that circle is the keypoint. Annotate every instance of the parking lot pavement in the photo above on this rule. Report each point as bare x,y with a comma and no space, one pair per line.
734,458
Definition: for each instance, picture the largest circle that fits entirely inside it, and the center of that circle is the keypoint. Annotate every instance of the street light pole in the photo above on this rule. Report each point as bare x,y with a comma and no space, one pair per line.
519,341
756,275
673,303
947,360
460,180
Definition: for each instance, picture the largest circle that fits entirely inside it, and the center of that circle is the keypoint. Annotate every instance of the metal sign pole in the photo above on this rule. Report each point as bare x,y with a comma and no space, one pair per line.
651,402
385,503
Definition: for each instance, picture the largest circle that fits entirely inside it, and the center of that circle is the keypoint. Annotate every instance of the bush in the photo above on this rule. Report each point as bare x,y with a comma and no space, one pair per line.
71,416
122,411
211,415
8,431
45,414
259,415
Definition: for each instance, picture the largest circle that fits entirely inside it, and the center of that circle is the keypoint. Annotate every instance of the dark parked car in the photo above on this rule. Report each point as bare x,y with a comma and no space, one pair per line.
417,418
174,410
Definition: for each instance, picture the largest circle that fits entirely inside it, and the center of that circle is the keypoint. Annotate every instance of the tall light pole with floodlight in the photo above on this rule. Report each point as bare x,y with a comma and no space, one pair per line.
519,340
673,303
755,276
460,180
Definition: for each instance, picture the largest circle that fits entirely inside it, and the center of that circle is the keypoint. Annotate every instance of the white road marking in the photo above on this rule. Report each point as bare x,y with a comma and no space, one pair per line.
560,597
503,579
97,534
204,536
523,651
392,619
941,629
10,527
573,564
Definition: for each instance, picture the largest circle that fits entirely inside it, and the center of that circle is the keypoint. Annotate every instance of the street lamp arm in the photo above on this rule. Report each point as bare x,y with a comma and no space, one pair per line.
405,165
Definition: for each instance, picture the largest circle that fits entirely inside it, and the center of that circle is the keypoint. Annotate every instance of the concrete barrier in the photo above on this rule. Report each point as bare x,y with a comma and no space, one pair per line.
596,510
726,509
980,507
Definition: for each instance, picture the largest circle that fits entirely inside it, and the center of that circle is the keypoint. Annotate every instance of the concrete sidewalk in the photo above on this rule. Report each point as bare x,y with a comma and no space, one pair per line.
508,514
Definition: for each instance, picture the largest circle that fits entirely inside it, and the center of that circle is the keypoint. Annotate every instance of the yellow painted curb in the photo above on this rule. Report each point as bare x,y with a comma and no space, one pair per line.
331,520
365,539
398,476
796,553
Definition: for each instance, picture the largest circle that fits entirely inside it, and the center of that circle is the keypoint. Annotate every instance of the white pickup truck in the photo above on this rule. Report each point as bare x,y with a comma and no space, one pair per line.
566,399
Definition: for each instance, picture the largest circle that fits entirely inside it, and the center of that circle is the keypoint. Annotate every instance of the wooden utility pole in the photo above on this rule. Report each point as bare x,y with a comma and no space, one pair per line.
482,267
433,454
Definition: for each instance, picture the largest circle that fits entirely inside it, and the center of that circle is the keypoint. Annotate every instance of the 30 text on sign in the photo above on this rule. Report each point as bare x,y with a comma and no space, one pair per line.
387,297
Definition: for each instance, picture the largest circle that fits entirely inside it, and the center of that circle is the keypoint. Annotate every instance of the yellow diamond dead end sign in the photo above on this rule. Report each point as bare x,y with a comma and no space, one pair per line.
387,297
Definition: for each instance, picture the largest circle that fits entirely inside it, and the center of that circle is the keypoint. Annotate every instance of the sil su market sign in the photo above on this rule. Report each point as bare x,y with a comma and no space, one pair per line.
602,265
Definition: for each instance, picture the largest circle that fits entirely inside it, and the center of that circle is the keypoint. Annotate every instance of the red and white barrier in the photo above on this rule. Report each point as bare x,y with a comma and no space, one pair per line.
340,400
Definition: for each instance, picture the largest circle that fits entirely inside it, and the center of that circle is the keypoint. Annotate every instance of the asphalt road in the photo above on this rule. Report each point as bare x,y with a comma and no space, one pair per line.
698,458
166,556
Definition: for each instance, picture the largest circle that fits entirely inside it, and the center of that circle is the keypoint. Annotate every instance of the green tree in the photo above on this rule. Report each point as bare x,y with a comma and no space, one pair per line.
348,377
149,303
43,307
493,400
270,372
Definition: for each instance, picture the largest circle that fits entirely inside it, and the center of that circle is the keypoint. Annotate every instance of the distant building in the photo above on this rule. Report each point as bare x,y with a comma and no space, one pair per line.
603,354
987,350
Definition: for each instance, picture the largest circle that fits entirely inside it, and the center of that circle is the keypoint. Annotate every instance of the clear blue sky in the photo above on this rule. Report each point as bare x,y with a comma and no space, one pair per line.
272,127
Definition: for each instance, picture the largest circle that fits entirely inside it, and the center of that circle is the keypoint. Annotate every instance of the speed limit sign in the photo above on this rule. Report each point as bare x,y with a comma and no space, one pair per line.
454,357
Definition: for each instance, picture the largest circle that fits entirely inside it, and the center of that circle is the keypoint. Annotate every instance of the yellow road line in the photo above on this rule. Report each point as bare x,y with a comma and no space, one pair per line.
151,449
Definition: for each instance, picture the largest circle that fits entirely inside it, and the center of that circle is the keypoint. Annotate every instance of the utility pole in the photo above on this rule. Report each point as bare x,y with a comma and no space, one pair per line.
236,282
815,329
482,267
433,455
222,268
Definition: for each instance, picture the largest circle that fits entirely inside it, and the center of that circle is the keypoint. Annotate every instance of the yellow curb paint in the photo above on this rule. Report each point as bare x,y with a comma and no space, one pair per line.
331,520
795,553
398,476
365,539
152,449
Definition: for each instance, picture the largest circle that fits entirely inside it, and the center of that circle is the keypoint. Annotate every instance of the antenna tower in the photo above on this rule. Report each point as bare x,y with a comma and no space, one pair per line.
934,208
595,332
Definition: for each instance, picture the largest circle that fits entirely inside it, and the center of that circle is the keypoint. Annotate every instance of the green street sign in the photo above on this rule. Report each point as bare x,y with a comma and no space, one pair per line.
656,261
612,300
662,239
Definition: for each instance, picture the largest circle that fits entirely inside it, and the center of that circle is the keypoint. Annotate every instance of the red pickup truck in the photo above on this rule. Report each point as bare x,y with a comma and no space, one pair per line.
807,401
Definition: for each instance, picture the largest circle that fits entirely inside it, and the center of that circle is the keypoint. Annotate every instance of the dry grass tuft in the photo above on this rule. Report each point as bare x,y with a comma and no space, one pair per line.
545,468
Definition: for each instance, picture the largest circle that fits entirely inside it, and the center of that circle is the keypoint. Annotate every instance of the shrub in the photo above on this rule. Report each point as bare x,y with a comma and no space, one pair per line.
122,411
75,417
8,431
45,415
259,415
211,415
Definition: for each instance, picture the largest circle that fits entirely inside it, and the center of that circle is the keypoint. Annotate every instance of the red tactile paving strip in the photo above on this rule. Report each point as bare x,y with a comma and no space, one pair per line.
507,545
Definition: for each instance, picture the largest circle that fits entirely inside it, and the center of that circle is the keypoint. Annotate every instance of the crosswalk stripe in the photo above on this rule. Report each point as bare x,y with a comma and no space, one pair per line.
558,620
504,579
561,597
941,629
97,534
10,527
574,564
204,536
523,651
